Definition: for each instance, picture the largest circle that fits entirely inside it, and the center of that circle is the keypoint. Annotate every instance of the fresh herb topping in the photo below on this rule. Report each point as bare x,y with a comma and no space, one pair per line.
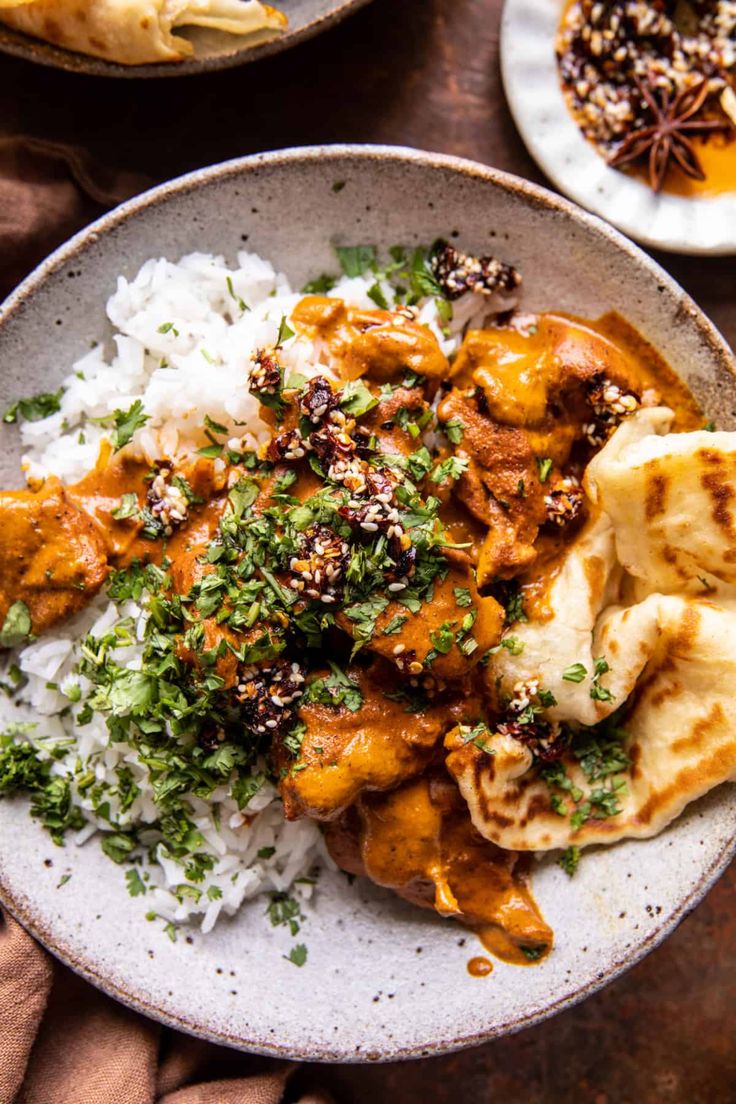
544,464
455,430
297,955
569,859
598,692
16,628
126,422
355,260
34,408
319,286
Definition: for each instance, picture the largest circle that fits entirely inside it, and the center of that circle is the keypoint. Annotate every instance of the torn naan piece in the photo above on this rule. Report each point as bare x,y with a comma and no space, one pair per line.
672,500
676,739
588,581
135,32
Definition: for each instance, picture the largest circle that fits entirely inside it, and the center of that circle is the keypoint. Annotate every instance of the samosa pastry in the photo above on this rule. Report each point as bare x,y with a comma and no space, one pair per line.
135,32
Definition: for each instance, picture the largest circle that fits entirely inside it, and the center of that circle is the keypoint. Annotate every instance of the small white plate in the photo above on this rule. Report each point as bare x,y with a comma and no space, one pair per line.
701,225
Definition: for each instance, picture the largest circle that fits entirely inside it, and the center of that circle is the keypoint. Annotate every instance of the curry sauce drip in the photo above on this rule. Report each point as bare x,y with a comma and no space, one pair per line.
418,841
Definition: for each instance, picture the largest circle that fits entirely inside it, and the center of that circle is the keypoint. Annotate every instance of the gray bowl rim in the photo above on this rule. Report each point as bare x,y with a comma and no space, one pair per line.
39,52
536,196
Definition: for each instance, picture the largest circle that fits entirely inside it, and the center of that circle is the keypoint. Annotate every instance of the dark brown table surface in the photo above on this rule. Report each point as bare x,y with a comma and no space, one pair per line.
425,73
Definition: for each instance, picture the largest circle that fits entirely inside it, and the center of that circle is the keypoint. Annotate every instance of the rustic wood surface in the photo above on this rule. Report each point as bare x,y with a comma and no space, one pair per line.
425,73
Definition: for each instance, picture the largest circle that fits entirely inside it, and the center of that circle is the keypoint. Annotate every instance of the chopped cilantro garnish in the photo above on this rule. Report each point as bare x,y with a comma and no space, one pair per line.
335,690
569,859
128,507
242,306
513,646
285,910
319,286
395,624
443,638
375,292
455,430
356,399
285,332
598,692
544,464
451,468
136,885
297,955
356,259
576,672
126,423
16,628
34,408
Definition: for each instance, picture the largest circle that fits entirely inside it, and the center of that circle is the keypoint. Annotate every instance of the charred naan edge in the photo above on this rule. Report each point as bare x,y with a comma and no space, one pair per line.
134,32
588,581
680,724
672,500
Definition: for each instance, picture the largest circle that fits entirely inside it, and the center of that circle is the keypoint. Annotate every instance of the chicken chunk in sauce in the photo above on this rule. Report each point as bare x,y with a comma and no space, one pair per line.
418,841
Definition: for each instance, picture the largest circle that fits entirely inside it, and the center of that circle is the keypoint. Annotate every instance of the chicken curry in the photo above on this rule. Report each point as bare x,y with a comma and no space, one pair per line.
336,598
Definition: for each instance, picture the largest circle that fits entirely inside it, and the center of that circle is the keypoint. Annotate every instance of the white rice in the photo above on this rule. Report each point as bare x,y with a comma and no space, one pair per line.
198,366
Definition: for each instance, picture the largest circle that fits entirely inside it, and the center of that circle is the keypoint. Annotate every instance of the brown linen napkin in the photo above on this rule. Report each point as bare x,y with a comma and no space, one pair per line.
61,1040
47,192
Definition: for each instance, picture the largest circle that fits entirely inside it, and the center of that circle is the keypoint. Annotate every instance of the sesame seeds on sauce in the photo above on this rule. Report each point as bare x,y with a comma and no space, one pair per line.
621,59
610,406
166,499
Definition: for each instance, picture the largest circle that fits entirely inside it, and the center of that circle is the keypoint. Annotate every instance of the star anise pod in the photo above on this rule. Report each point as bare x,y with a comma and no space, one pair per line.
665,141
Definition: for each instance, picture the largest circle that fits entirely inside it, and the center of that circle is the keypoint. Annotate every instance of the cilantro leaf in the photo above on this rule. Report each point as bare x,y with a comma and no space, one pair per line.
34,408
126,424
544,464
356,399
451,468
375,292
319,286
297,955
128,507
455,430
285,331
136,885
569,859
356,259
16,628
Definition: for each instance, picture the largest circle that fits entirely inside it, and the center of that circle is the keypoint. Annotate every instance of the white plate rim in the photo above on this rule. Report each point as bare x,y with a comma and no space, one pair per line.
700,226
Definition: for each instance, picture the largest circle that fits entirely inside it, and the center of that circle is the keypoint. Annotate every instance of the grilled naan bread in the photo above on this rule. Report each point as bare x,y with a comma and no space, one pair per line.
680,655
630,591
134,32
672,500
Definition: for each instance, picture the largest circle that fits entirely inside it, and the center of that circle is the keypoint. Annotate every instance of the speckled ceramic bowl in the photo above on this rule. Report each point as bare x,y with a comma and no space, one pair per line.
213,49
698,225
383,980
